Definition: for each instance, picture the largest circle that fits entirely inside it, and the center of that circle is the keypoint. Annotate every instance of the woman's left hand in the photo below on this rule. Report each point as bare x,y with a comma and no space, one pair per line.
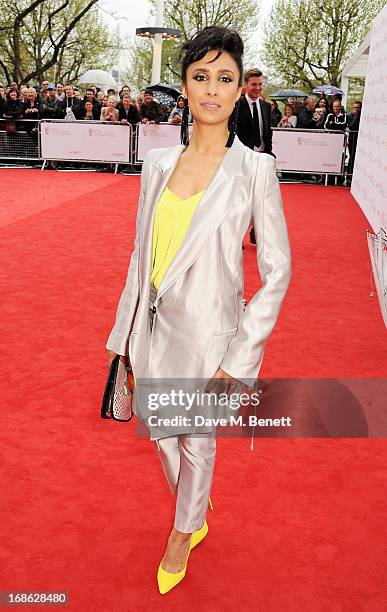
226,383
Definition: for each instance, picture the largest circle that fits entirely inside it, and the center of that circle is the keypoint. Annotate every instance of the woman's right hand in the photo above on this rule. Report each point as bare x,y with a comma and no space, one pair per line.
124,358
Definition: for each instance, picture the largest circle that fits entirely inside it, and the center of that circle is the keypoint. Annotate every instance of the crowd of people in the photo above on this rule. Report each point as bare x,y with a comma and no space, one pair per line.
48,101
21,106
319,115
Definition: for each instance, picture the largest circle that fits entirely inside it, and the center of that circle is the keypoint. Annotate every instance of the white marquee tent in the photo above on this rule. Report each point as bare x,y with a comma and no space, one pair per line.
356,66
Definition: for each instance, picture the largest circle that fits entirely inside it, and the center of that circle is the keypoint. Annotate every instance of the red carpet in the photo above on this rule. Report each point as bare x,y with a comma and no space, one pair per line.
298,523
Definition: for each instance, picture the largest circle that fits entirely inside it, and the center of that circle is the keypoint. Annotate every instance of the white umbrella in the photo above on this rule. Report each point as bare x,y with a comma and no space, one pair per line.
100,78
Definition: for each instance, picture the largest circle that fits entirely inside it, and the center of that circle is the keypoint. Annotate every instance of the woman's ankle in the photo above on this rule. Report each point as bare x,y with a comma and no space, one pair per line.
180,536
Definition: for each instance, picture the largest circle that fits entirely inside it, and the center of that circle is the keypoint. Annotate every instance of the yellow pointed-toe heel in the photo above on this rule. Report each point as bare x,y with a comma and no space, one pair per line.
167,580
200,534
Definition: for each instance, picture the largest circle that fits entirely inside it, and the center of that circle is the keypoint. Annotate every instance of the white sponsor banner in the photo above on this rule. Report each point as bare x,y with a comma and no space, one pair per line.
305,151
156,135
369,181
308,150
83,140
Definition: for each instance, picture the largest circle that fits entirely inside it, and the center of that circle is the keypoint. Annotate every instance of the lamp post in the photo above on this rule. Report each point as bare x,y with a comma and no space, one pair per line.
158,33
157,44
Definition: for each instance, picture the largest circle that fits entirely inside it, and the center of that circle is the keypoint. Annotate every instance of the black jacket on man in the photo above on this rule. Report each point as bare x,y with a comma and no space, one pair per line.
353,122
246,131
336,122
305,119
50,109
131,115
246,127
72,103
153,112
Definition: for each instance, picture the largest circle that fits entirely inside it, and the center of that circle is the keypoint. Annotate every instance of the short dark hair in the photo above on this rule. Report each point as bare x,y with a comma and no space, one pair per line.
212,37
148,91
122,88
253,72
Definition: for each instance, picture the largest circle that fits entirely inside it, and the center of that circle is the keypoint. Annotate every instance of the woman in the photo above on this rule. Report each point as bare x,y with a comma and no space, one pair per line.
176,113
321,111
275,114
109,112
88,115
181,314
31,106
322,103
289,119
12,107
12,110
139,102
31,110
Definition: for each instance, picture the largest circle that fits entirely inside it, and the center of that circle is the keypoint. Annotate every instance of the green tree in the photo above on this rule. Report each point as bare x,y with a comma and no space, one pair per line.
307,42
55,39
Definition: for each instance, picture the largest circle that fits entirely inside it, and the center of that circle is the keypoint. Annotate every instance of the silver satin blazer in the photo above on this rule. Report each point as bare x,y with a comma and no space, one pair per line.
200,322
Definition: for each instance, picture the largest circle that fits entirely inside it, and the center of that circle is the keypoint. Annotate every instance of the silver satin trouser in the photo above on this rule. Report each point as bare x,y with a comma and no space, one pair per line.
188,463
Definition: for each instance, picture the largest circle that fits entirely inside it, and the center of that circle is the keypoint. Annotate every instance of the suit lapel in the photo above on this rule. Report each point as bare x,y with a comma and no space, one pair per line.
208,215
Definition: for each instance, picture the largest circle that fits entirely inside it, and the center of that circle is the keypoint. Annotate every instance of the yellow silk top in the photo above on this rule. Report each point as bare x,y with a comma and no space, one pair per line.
171,221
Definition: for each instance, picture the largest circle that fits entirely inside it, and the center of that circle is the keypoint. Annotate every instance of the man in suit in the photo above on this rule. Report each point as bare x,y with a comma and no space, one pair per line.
253,126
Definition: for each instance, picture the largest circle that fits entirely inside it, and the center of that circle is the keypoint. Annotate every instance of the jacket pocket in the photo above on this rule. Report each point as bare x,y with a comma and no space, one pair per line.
224,332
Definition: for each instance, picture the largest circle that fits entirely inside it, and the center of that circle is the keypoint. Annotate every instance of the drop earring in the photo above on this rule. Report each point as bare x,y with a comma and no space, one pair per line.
184,131
232,124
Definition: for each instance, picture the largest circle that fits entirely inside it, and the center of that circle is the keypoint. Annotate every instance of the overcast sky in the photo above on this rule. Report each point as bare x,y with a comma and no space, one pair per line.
132,14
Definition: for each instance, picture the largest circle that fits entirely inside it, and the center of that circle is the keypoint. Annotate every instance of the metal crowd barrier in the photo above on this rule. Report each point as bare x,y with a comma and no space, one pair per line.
85,142
288,173
348,155
22,145
25,145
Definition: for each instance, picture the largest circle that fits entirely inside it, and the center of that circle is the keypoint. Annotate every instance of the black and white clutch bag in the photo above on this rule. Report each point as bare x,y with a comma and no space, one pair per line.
118,395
